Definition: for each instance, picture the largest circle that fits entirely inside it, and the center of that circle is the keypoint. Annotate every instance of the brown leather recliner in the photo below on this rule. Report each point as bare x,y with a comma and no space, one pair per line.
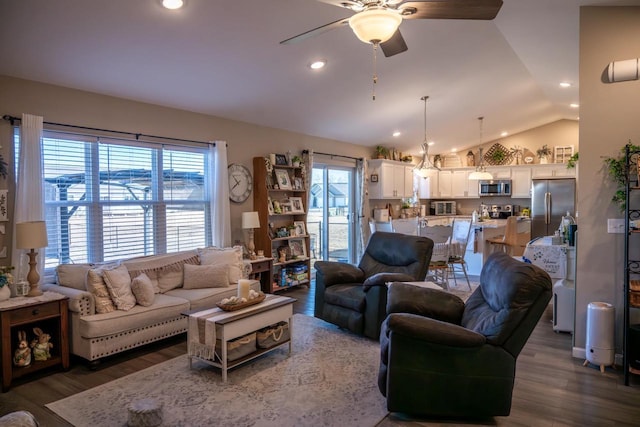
445,358
355,298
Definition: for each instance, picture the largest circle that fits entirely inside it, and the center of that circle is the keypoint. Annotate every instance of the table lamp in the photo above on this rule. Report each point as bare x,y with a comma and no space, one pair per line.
250,220
32,235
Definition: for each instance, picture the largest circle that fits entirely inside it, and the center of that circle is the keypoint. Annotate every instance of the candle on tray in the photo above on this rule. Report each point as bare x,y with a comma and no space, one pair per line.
243,288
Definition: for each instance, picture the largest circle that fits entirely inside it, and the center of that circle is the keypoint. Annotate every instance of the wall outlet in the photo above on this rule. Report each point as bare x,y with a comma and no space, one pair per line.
615,225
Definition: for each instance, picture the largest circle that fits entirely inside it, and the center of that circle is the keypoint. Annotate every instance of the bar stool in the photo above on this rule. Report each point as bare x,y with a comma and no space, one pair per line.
509,240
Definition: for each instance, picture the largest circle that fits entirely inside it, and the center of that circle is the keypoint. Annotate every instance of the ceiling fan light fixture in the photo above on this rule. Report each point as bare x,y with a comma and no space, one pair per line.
375,25
172,4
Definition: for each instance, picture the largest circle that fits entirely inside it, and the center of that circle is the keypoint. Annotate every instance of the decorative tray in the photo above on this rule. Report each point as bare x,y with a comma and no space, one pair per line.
240,305
498,155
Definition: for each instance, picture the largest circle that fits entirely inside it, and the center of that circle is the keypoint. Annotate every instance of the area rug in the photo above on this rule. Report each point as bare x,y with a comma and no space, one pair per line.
330,379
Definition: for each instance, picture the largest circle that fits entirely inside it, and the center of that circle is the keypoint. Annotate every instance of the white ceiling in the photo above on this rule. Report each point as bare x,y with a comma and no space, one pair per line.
224,59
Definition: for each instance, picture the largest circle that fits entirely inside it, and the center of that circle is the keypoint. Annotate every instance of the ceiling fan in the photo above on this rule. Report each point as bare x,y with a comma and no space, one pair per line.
377,21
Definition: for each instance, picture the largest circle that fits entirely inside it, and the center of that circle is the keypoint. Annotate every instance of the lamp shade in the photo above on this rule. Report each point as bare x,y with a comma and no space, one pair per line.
375,25
250,220
31,235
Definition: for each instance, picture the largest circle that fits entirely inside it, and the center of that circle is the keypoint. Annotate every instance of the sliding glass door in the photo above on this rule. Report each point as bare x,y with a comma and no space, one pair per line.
331,213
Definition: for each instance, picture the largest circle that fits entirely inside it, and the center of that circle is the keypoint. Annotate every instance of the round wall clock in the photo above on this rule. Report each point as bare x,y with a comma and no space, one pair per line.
240,183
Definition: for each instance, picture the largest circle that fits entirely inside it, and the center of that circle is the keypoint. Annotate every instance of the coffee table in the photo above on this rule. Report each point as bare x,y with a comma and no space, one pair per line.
206,326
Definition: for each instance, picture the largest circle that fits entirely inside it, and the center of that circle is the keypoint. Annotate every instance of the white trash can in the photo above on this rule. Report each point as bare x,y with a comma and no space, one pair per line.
600,346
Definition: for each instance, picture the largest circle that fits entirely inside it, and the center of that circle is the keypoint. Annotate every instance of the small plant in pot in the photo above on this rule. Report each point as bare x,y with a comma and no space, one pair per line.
382,152
296,160
543,154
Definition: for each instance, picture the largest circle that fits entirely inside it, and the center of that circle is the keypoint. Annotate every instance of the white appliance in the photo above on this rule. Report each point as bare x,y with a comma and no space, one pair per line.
600,330
563,306
381,215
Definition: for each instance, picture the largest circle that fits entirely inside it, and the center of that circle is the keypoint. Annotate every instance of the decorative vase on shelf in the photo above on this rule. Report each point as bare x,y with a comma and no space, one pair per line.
5,293
543,160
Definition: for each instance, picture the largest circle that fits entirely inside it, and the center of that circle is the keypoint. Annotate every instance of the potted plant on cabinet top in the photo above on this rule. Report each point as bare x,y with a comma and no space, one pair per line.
381,152
543,154
295,160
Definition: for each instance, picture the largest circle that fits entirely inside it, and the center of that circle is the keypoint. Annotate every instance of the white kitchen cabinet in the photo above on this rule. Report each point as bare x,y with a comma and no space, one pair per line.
428,185
500,172
521,182
459,183
553,170
445,182
394,179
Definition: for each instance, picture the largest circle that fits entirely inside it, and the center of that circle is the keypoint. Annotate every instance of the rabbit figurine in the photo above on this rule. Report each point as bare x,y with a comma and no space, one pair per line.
41,346
22,356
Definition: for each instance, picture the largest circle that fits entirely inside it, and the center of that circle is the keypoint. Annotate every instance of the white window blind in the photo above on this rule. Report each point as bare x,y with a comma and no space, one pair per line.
109,199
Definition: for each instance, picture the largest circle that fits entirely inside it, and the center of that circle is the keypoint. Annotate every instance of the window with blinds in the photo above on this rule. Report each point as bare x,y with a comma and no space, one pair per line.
109,199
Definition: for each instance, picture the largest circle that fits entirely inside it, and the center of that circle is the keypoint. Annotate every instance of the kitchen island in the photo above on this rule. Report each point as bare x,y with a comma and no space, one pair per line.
478,249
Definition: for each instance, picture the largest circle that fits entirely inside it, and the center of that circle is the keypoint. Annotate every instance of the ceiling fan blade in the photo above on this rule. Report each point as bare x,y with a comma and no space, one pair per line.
451,9
316,31
394,45
348,4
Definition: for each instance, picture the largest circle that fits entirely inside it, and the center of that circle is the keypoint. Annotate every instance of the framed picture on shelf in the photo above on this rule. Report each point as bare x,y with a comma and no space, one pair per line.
296,205
300,228
298,248
282,176
270,206
297,183
285,205
281,160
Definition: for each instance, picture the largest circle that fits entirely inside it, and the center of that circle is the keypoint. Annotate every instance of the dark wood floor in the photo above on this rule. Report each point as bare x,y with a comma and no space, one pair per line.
552,388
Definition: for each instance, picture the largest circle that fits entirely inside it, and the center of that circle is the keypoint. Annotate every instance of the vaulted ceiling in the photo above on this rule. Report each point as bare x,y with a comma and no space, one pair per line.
225,59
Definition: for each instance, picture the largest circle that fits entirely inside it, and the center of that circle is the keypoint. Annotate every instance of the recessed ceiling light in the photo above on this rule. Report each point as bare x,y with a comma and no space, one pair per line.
431,143
574,105
565,84
316,65
173,4
454,150
505,133
397,133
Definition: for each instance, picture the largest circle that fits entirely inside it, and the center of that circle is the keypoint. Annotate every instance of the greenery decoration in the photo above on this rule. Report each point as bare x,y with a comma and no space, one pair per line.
571,163
543,151
616,169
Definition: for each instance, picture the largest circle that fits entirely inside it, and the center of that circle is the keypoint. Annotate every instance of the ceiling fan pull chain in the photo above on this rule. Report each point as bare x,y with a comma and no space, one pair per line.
375,73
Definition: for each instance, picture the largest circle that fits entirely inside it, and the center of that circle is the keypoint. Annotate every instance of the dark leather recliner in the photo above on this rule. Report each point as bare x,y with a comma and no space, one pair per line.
445,358
355,298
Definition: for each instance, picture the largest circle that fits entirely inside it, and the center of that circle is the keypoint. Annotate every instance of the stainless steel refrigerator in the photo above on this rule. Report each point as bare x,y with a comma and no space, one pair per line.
550,200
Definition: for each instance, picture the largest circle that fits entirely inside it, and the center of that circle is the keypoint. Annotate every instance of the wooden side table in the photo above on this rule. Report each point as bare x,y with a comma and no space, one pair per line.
49,313
262,269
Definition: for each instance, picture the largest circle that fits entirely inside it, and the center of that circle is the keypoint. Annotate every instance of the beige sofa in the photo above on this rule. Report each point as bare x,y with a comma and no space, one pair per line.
97,332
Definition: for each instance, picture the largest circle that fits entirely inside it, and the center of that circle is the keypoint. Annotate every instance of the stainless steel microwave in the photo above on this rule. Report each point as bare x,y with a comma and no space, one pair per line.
494,187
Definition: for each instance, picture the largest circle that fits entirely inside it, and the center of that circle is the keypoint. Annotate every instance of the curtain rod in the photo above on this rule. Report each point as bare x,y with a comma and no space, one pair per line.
12,119
334,155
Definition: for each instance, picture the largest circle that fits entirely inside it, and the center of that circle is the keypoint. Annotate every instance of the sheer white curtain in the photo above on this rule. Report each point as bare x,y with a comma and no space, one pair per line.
220,210
362,207
29,200
307,170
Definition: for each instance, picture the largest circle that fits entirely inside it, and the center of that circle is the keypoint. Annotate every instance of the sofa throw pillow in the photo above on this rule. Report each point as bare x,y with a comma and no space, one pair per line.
73,275
205,276
231,257
118,283
142,289
97,288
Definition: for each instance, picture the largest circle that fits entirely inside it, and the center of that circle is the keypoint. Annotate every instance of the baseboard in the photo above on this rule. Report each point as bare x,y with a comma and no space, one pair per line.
581,353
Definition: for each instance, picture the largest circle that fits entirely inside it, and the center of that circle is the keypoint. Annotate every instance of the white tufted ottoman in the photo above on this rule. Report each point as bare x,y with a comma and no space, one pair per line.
145,413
